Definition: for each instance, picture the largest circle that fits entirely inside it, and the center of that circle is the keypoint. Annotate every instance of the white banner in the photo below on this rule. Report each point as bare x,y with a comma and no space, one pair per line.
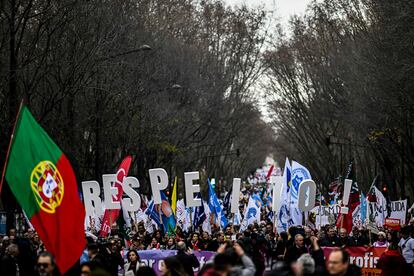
399,210
325,214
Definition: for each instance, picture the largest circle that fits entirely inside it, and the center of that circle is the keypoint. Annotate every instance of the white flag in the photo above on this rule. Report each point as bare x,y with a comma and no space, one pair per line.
140,216
251,214
283,214
381,208
206,224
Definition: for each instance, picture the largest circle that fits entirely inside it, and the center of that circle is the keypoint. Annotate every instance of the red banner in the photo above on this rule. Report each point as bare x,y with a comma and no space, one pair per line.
364,257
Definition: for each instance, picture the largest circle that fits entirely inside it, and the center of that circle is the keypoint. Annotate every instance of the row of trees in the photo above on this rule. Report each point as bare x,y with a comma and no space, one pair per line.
172,83
167,81
342,88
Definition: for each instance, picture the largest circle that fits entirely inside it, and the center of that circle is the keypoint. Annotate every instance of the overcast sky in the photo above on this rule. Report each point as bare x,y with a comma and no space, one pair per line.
284,8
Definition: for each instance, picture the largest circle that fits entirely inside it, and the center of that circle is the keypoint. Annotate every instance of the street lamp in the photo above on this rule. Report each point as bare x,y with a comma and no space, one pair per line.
142,48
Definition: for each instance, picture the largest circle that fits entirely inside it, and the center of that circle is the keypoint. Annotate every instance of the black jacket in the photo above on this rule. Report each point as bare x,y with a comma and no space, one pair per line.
189,261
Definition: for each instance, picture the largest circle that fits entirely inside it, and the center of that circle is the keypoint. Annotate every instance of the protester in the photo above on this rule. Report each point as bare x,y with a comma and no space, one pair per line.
186,258
392,262
338,264
226,262
295,251
133,263
146,271
85,269
154,245
46,265
171,266
381,240
281,245
205,241
358,238
170,244
343,237
195,242
407,246
305,265
9,264
330,239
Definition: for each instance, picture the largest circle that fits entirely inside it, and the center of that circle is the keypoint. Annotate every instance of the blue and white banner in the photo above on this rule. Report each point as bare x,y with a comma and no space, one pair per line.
283,214
251,214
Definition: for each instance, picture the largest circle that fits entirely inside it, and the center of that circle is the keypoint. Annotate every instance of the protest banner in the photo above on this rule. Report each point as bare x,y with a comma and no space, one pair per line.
399,210
325,214
153,258
364,257
393,224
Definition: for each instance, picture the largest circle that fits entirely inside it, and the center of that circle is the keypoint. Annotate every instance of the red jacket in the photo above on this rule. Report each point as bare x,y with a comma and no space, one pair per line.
392,263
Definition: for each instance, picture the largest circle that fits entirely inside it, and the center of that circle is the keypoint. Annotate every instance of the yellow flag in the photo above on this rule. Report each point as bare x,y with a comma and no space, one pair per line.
174,196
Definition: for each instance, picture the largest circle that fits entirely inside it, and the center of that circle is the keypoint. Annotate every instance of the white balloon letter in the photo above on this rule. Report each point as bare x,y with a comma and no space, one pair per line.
235,195
345,199
307,202
191,188
277,182
91,192
110,192
159,182
132,203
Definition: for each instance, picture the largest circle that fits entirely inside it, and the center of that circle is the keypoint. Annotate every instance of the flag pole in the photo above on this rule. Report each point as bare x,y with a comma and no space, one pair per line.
191,220
320,210
372,185
9,147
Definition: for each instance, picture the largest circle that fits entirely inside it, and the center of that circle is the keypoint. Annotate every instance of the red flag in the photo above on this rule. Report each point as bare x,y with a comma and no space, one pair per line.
111,216
269,173
347,223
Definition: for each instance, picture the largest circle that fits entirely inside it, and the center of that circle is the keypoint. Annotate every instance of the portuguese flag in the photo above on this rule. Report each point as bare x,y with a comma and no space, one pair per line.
43,182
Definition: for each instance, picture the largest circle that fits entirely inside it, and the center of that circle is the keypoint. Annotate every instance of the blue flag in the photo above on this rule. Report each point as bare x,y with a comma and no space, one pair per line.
199,214
152,212
269,202
223,220
270,216
363,208
213,202
257,200
215,206
226,201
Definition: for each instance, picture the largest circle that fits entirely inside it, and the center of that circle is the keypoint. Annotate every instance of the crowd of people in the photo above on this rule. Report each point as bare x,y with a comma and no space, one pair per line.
258,250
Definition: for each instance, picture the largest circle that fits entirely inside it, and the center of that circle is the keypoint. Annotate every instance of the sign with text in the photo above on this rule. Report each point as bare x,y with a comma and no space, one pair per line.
364,257
153,258
393,224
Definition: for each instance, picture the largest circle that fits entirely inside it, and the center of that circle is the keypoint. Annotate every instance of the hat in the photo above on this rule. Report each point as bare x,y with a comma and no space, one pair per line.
381,233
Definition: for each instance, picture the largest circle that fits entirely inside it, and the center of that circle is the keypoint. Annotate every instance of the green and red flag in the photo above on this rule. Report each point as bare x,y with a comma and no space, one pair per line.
44,184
